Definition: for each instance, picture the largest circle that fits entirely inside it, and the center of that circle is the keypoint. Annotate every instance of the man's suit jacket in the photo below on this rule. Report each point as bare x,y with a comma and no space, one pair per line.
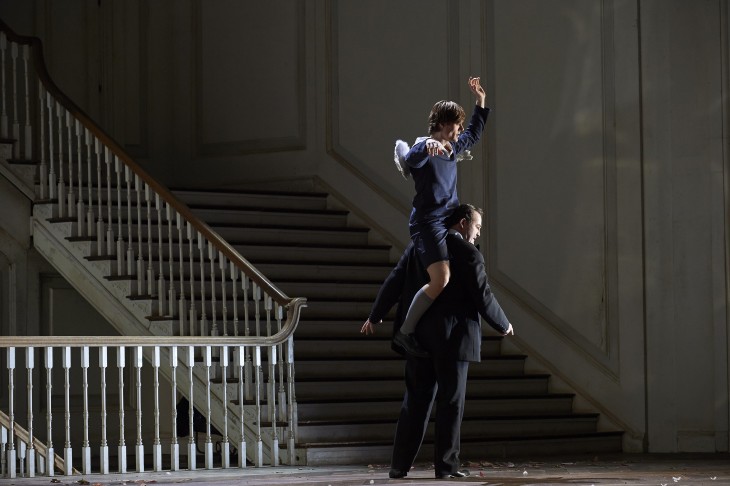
451,327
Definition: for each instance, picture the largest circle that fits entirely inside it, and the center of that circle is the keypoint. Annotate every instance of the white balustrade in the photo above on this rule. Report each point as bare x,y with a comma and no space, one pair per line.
98,151
156,445
140,254
109,250
263,408
174,445
121,267
291,401
81,229
122,447
128,179
67,449
171,296
192,450
222,266
193,311
104,445
3,450
49,413
225,448
43,168
213,294
89,142
203,314
16,124
181,310
207,361
58,132
11,453
257,406
240,328
139,446
271,395
47,108
70,196
28,130
85,447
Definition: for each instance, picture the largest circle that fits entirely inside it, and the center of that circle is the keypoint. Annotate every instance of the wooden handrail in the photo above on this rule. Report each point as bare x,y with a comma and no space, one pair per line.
37,444
182,208
295,308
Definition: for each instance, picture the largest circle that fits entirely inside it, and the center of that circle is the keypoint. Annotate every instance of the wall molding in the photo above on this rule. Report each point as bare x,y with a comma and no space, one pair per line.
604,357
334,148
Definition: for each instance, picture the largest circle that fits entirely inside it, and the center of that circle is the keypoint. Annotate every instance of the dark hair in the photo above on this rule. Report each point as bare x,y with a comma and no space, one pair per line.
445,112
462,211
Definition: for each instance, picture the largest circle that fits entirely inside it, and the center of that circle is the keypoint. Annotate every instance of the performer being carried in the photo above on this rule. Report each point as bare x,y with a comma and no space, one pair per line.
432,163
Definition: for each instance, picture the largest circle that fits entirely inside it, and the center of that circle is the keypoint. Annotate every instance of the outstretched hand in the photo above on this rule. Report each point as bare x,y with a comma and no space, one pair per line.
368,328
476,88
510,330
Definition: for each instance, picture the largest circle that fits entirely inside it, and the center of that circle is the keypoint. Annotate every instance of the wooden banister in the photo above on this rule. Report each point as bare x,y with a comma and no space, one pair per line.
39,446
295,307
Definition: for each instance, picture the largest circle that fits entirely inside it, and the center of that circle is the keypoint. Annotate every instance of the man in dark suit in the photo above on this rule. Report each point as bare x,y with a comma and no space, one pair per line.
450,331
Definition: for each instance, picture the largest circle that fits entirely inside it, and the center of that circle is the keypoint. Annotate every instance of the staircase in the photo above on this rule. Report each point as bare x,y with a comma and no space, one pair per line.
349,387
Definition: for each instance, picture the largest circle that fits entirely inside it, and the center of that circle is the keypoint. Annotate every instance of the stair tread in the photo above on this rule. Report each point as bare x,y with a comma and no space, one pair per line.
115,221
533,376
251,226
397,358
466,440
308,229
196,261
551,396
466,419
23,162
303,423
264,209
195,190
154,242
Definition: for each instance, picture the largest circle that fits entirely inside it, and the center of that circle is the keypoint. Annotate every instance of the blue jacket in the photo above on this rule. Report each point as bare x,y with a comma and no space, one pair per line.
435,177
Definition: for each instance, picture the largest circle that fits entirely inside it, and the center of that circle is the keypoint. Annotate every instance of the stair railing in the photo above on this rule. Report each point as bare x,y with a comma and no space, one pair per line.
174,357
151,237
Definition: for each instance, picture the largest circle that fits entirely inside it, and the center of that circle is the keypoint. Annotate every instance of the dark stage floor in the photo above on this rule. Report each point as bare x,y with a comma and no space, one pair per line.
638,469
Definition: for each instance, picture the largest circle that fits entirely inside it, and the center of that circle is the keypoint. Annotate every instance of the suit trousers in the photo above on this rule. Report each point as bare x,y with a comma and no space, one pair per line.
427,379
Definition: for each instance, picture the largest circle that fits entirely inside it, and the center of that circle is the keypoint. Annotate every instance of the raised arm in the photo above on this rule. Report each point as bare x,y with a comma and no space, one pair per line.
476,88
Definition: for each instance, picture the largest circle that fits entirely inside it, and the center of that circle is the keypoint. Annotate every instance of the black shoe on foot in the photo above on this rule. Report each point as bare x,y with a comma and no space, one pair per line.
397,474
409,344
453,475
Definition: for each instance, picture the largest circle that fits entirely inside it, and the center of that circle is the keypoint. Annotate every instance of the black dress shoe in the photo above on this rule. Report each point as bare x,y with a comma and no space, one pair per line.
410,345
453,475
397,474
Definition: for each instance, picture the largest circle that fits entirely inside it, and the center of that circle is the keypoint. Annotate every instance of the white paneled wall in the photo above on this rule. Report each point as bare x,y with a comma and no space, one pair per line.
603,170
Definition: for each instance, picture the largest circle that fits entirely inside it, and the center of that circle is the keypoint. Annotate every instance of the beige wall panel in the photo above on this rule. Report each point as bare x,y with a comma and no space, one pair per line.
126,78
564,229
72,44
386,72
549,222
250,81
683,143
